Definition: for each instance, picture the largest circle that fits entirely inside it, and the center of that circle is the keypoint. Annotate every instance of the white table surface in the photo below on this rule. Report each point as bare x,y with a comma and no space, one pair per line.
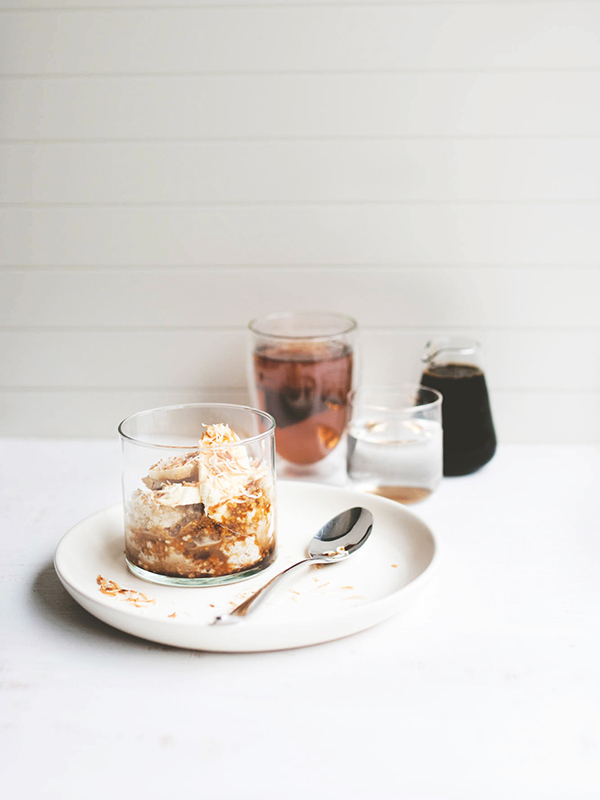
488,688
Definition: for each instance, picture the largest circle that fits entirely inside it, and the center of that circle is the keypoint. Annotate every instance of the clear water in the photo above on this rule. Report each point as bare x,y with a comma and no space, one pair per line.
388,453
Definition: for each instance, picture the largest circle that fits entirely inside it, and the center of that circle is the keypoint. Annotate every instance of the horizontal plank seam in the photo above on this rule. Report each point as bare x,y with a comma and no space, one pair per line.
269,139
561,329
362,268
298,203
267,73
576,391
104,389
326,4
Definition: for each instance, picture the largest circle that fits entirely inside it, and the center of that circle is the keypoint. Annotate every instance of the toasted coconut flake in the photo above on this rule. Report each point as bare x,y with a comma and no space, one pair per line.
112,589
227,476
339,551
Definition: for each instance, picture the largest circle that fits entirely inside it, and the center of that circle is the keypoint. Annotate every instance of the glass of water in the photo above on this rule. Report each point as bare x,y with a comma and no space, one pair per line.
395,441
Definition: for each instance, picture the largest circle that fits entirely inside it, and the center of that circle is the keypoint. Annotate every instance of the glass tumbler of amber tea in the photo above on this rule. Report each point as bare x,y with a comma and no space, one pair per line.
199,493
452,365
301,370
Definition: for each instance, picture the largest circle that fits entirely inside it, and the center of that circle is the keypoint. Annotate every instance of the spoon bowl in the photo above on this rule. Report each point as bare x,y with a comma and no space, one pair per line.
342,535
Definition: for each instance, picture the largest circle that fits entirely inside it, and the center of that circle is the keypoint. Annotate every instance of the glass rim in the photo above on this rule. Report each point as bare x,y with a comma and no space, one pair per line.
396,390
461,344
243,441
351,324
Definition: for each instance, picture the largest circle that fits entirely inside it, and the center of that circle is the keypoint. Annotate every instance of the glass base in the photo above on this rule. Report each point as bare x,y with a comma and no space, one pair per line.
405,494
330,470
217,580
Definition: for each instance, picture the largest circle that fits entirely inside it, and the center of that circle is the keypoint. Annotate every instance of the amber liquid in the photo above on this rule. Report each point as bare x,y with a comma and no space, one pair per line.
402,494
469,436
305,388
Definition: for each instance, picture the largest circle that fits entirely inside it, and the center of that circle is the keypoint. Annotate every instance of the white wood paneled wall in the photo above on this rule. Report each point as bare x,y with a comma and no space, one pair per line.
169,171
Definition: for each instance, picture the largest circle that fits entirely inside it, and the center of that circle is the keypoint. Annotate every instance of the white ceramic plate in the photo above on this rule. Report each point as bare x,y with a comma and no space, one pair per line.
316,604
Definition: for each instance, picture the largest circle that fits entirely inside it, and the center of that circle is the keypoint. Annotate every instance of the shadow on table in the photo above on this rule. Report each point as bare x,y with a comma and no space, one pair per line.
59,609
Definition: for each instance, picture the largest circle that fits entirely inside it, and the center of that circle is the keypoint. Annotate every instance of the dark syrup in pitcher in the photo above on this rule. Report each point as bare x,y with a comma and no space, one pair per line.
469,436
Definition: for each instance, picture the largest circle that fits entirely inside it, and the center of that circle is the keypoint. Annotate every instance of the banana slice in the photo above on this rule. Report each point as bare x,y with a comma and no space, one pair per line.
178,494
178,468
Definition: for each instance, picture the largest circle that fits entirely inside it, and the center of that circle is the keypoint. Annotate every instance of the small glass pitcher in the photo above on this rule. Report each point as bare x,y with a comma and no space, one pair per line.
452,366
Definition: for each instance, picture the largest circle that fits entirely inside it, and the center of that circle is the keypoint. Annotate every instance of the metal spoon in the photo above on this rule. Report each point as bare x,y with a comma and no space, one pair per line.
337,540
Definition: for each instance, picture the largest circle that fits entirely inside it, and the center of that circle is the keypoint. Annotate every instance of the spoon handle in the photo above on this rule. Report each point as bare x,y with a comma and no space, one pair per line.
259,596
